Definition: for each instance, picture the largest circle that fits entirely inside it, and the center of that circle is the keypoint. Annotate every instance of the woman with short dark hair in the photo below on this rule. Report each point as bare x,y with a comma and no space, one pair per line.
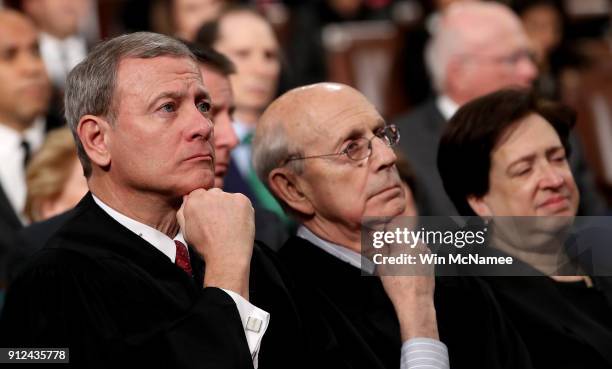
505,155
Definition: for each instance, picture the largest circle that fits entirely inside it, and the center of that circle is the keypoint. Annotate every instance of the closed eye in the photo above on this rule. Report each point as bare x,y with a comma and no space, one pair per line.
521,171
559,158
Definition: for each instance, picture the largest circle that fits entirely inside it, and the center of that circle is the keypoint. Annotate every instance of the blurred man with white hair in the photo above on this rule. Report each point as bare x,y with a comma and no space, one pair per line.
478,48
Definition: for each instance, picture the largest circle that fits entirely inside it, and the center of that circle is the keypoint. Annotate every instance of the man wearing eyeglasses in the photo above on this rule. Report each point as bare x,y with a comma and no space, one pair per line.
478,48
325,152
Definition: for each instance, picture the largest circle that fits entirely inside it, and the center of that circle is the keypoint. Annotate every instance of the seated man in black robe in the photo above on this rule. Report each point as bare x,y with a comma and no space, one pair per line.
116,283
325,152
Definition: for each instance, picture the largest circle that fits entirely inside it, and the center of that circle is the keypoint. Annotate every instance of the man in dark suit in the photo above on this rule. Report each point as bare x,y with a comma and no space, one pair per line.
478,48
116,283
24,99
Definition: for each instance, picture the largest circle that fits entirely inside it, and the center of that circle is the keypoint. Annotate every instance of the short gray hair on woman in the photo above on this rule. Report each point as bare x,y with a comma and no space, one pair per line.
270,150
91,85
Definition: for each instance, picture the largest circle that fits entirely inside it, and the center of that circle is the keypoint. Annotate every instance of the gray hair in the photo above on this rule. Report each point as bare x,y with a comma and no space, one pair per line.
270,150
445,43
91,85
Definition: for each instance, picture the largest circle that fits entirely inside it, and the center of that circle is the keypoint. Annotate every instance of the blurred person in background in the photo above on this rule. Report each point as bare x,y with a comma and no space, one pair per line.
216,70
55,183
24,99
54,177
417,82
62,45
305,48
544,22
248,40
183,18
478,48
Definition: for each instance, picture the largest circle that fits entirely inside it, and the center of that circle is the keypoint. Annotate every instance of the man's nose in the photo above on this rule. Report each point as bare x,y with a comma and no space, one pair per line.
200,127
382,155
527,71
225,134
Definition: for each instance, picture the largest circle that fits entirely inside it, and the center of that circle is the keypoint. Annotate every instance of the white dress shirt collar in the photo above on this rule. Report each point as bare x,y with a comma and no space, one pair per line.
156,238
35,135
447,107
61,55
346,255
12,155
242,129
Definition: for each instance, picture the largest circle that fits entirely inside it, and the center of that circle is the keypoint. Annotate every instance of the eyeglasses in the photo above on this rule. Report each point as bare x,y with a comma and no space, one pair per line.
361,148
511,59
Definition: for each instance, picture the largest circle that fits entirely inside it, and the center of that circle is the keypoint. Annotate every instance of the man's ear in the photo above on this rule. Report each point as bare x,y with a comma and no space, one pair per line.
480,206
93,132
284,183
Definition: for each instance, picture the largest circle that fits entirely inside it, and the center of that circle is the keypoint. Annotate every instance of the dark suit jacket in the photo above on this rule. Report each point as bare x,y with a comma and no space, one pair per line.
351,323
564,325
113,298
269,227
10,224
234,182
9,228
421,131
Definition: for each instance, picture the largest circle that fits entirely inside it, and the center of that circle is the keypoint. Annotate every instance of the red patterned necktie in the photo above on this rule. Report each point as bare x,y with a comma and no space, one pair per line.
182,257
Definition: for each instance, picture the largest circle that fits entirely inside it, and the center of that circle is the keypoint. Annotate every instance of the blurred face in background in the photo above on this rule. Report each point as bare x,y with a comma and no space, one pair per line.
189,15
24,85
61,18
73,191
220,91
249,42
543,27
495,53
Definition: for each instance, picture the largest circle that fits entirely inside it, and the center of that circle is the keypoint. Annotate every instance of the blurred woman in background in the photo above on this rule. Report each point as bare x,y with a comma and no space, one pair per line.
54,177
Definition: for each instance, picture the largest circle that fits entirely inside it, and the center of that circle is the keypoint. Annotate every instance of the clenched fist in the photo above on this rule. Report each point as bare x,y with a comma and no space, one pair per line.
220,226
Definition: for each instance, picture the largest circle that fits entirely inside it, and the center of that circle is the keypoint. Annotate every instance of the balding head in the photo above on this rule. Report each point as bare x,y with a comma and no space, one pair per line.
299,118
24,86
301,151
479,47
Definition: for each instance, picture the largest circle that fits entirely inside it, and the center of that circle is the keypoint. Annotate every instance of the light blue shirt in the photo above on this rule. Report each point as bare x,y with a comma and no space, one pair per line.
241,154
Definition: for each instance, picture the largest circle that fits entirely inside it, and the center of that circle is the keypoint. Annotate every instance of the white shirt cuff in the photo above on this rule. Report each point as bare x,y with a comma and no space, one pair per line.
424,353
254,321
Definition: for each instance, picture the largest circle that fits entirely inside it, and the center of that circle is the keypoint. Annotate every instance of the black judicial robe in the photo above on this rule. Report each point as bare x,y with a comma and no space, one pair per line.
564,325
114,299
351,323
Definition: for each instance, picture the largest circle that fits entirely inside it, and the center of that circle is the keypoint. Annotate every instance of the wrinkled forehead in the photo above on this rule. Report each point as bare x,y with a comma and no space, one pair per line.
146,75
525,136
331,117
